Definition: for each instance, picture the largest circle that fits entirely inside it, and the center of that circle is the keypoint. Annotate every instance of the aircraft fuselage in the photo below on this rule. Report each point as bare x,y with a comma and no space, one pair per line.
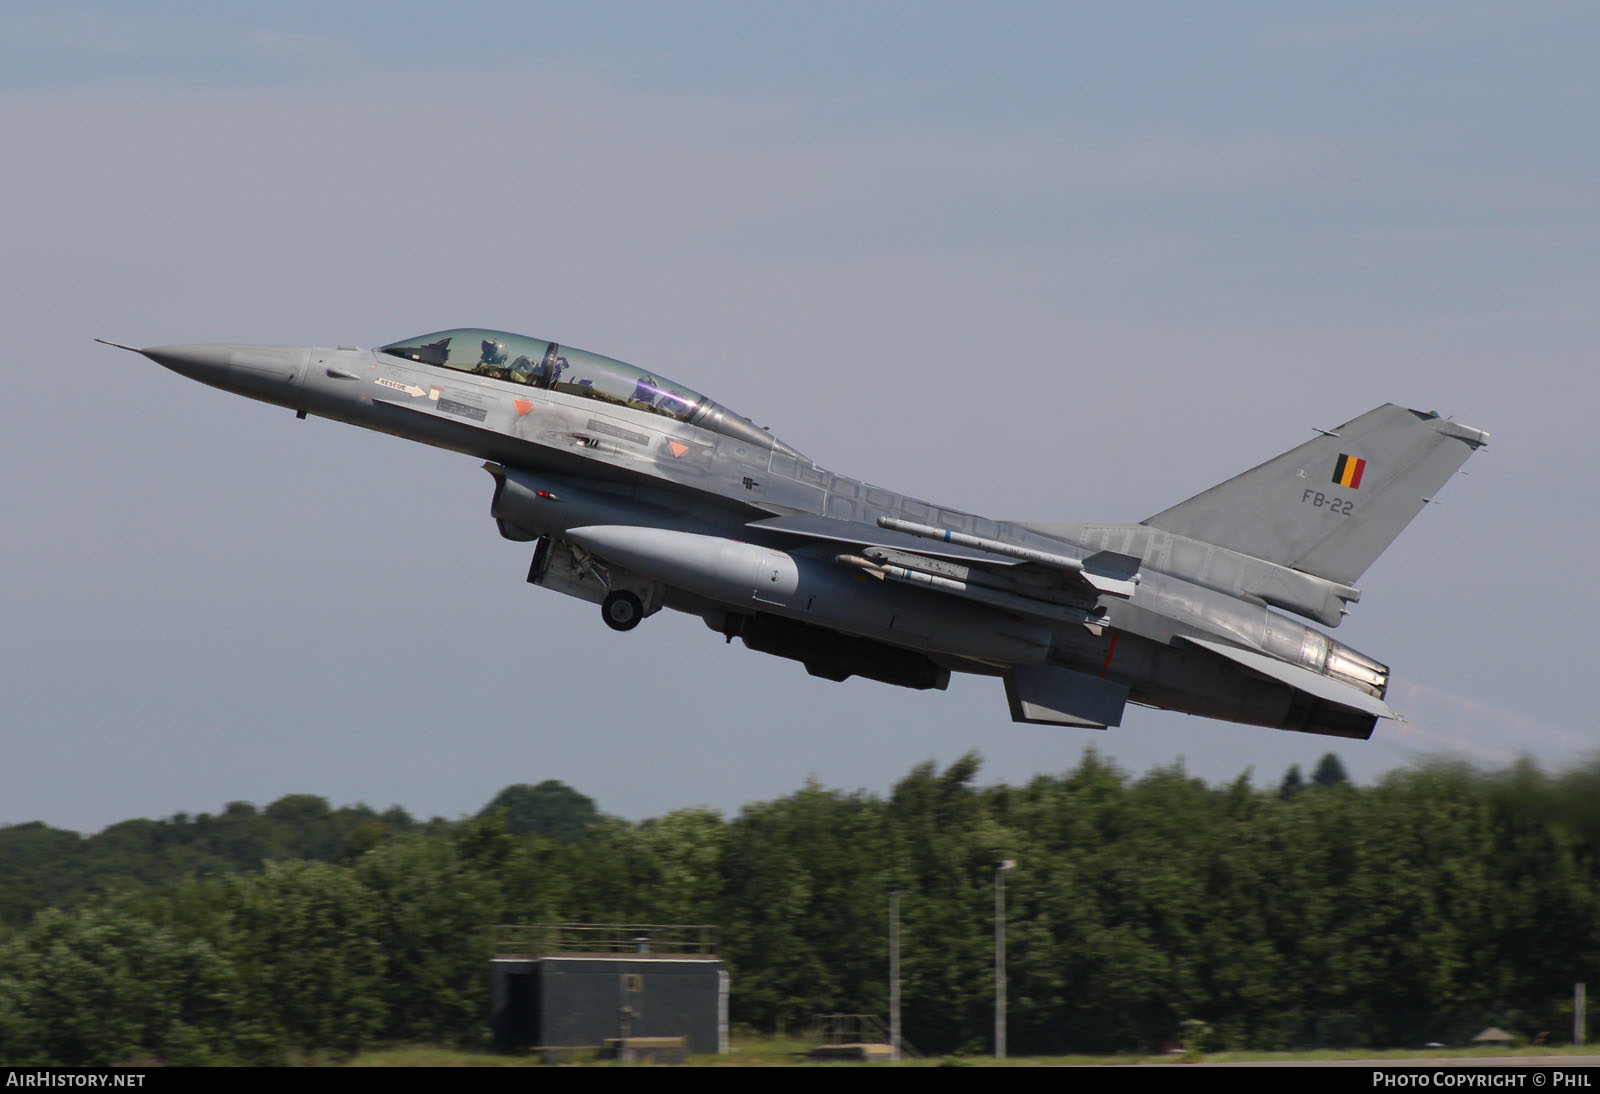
657,497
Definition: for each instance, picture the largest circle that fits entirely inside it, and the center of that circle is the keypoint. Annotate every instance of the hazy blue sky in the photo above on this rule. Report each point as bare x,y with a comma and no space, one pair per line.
1046,262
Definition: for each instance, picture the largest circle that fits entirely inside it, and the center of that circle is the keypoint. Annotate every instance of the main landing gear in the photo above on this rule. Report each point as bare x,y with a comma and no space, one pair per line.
622,610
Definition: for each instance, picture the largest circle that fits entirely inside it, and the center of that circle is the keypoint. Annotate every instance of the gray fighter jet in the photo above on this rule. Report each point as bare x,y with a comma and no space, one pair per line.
639,494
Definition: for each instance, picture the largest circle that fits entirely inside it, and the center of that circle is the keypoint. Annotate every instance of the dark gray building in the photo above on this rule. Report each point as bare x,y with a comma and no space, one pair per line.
569,985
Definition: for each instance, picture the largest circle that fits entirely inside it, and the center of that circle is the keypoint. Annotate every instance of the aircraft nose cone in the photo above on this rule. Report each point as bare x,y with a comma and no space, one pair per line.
270,373
208,364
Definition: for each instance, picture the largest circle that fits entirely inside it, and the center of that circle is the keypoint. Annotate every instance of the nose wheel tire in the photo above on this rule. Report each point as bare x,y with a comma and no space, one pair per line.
622,611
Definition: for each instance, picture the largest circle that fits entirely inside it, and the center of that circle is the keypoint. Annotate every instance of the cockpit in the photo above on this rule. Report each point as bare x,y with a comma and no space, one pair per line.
533,362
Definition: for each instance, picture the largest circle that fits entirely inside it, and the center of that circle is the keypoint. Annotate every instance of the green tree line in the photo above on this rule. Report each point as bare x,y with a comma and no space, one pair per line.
1438,901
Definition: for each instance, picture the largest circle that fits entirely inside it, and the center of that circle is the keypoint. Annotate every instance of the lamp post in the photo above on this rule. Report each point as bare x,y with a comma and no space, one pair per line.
1001,869
895,889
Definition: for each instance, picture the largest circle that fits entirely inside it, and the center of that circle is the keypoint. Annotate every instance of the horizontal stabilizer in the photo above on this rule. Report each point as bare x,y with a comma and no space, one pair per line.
1301,679
1047,695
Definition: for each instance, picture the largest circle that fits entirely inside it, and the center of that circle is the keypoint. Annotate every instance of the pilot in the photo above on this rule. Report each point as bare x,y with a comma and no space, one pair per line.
645,391
492,356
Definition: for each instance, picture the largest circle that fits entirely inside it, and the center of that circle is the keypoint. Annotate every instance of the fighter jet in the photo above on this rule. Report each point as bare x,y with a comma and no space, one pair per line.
638,493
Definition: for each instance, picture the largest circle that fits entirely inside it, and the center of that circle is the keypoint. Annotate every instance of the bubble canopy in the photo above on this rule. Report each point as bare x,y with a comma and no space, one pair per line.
535,362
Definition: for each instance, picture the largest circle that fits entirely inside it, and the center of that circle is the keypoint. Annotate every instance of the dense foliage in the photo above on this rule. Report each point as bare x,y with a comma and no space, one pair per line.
1317,912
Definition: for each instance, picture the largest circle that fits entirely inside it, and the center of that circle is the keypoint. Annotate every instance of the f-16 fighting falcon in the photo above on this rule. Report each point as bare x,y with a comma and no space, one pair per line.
639,493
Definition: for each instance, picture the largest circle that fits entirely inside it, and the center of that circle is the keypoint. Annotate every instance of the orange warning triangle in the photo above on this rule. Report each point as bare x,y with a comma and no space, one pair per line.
678,448
522,405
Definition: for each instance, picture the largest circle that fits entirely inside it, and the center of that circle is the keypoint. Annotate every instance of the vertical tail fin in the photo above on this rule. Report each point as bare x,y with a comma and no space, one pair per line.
1333,505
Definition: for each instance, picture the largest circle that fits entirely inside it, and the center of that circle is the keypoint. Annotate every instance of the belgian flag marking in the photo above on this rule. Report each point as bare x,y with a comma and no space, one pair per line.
1347,472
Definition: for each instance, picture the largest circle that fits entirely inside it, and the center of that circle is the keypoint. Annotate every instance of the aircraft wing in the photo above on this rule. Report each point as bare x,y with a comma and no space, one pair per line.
1018,579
